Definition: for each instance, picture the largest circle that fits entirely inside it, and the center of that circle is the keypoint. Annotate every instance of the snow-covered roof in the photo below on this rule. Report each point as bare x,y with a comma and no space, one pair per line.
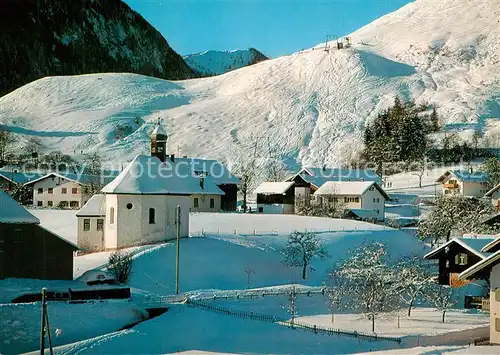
159,129
213,170
13,213
356,188
79,178
147,175
273,188
487,248
95,207
19,177
465,175
318,176
486,263
474,245
492,191
364,213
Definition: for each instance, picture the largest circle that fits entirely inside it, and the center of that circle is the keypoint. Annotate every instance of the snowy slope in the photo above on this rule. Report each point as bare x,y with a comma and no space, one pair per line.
213,62
313,104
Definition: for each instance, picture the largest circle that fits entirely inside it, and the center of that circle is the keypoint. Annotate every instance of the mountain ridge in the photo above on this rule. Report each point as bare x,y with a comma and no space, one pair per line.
217,62
56,37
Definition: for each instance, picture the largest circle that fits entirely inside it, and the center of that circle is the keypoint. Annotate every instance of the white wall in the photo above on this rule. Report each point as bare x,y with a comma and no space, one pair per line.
92,240
111,229
494,304
132,225
204,203
57,184
374,200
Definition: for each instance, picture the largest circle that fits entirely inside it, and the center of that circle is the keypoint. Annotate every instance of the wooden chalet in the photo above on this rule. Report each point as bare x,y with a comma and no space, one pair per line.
457,255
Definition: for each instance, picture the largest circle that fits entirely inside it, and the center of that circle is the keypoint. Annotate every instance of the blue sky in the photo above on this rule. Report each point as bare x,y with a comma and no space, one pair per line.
274,27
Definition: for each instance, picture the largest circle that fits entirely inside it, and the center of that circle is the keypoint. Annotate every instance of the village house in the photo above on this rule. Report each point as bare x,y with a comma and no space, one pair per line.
275,197
364,199
58,190
27,250
467,183
10,179
140,205
308,180
456,256
494,195
488,268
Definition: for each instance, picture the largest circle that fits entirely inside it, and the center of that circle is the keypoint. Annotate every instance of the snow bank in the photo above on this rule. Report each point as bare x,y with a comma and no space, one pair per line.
20,323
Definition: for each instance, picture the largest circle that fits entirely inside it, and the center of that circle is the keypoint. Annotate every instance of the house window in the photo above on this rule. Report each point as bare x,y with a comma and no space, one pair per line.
40,190
74,204
212,203
497,324
461,259
50,203
152,216
356,199
100,224
195,202
50,190
112,215
63,204
86,225
39,203
374,199
129,206
74,190
371,188
64,190
378,199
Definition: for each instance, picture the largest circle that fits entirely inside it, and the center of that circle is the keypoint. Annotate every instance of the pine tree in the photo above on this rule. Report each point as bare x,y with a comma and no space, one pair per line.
434,120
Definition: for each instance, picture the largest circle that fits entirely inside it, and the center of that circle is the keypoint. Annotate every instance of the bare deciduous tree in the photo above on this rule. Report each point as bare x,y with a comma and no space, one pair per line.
367,281
6,140
414,280
92,168
301,248
443,298
120,265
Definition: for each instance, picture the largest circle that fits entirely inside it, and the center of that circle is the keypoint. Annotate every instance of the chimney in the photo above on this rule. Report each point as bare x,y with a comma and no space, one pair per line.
471,170
324,167
202,181
185,156
172,158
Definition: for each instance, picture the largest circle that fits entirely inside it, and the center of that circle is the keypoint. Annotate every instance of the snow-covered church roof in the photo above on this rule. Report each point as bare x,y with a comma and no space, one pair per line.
12,212
147,175
95,207
159,129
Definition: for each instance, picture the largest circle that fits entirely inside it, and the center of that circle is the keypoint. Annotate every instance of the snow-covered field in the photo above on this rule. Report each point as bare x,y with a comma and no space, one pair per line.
20,323
423,321
313,104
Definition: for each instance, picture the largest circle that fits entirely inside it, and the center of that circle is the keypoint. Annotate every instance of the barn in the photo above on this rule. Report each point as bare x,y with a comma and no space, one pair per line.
27,250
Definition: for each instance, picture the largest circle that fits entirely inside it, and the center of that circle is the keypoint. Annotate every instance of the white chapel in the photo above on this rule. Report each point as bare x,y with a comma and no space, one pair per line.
139,205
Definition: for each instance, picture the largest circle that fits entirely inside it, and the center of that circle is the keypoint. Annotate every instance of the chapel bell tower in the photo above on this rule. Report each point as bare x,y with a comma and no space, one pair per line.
159,142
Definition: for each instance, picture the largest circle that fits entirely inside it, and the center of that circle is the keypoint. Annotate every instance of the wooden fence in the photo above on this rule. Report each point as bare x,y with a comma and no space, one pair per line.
287,323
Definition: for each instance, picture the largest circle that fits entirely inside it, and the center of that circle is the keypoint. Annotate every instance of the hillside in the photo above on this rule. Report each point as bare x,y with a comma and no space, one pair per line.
312,105
211,63
57,37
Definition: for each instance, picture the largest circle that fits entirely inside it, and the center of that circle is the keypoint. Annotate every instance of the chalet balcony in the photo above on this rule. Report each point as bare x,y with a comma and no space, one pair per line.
451,185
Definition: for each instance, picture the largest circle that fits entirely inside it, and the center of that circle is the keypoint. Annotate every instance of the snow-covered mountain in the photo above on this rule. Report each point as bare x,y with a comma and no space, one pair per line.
212,62
308,107
61,37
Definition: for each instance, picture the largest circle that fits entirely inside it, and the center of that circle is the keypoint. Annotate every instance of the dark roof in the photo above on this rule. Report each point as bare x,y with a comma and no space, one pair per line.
19,177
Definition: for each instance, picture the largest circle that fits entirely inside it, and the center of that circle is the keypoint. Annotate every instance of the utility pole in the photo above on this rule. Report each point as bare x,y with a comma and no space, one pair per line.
45,327
178,247
42,328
